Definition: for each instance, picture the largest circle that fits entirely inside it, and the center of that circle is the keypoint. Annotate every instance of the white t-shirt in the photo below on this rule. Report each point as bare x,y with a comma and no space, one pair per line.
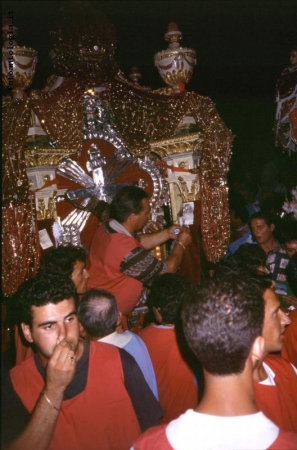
192,431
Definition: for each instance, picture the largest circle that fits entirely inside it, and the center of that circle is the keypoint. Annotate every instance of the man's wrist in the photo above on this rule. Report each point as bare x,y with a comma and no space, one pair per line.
178,242
49,401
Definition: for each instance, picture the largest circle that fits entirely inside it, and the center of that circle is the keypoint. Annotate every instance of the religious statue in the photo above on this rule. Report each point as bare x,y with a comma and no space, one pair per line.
41,209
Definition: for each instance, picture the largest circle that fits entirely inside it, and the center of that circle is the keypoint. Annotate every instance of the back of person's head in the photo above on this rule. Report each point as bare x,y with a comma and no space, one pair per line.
291,272
127,201
288,231
273,205
40,291
98,313
167,295
241,212
236,200
61,260
249,256
224,318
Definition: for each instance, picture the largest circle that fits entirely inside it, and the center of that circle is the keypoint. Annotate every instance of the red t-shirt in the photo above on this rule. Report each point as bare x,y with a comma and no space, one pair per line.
279,402
176,384
105,256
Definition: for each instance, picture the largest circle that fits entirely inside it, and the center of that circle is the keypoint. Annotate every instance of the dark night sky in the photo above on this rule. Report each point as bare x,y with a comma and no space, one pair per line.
242,46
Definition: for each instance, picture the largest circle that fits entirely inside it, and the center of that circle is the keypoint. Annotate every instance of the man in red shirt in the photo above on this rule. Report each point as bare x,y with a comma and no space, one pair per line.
176,382
223,324
71,394
120,260
68,260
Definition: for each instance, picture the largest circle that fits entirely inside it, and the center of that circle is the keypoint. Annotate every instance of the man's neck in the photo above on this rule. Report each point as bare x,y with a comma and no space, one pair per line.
228,395
121,227
269,245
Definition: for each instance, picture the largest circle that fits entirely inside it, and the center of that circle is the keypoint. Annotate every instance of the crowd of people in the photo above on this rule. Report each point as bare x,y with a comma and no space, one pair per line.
214,365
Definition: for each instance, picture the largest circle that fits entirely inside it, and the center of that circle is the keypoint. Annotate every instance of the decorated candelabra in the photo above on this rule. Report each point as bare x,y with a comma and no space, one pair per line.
20,248
176,63
18,63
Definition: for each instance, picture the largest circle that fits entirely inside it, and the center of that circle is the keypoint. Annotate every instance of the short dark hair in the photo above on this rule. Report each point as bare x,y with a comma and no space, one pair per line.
167,293
268,218
98,312
222,320
249,256
127,201
42,290
287,231
291,272
61,260
241,212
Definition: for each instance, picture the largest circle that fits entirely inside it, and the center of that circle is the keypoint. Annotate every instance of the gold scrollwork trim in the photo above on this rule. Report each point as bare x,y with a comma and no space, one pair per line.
22,80
165,54
174,77
46,157
176,145
189,196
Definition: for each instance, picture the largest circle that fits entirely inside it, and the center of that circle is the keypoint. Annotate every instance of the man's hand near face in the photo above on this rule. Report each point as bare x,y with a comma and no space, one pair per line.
60,369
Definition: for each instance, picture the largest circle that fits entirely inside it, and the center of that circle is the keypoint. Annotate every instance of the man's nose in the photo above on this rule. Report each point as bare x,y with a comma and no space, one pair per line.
285,320
86,273
62,332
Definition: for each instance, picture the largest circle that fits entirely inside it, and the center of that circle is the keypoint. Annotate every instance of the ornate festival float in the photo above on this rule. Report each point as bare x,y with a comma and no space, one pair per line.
69,147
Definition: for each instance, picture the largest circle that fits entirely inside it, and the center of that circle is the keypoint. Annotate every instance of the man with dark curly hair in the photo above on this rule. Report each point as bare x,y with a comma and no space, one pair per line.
72,394
222,323
68,260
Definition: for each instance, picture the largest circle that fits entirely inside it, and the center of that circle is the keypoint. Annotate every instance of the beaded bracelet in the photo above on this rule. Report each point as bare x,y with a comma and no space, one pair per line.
49,401
181,245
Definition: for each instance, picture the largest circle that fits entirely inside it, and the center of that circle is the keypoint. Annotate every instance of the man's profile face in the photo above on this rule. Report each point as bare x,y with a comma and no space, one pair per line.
80,277
143,217
261,231
290,248
275,321
51,324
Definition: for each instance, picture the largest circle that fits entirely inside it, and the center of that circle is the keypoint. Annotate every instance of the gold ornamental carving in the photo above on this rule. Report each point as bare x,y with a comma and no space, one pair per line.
36,157
186,194
181,144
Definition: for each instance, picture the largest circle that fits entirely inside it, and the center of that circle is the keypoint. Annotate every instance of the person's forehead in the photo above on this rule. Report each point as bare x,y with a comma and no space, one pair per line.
258,222
271,299
291,244
42,312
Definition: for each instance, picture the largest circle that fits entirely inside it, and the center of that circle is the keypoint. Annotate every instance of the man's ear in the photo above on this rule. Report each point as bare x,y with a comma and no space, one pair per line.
258,349
131,218
82,332
119,320
27,332
157,314
272,227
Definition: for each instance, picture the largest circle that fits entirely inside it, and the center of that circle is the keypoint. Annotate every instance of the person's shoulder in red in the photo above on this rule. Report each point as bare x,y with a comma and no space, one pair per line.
285,441
153,439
